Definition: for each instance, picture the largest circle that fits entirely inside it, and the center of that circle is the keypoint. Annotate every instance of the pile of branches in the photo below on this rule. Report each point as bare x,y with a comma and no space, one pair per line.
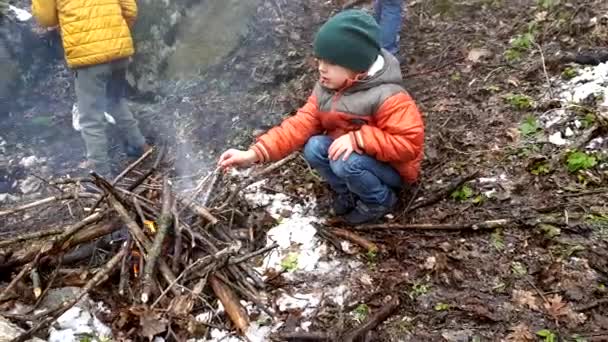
168,253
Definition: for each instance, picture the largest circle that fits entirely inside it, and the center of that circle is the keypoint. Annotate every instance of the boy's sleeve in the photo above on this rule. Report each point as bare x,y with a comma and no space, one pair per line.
45,12
129,11
398,134
290,135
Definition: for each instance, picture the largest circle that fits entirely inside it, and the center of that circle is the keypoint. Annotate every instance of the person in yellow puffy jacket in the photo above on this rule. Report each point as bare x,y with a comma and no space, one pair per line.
97,40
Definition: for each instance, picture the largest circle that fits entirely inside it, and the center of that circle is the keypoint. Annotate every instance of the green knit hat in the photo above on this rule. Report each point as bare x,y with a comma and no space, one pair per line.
350,39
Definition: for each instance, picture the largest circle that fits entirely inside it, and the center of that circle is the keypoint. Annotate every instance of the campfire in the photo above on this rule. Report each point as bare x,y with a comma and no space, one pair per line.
168,253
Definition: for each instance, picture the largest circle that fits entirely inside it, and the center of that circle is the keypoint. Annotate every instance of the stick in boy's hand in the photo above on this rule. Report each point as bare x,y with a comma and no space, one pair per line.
237,158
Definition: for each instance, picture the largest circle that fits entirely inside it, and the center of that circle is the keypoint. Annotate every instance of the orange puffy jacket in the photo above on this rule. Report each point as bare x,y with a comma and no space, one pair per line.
376,111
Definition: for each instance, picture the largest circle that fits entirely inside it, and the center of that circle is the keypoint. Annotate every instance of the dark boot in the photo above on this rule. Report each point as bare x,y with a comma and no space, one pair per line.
365,213
136,151
343,203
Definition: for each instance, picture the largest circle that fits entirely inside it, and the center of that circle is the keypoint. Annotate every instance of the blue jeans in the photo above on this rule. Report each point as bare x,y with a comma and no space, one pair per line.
389,17
367,178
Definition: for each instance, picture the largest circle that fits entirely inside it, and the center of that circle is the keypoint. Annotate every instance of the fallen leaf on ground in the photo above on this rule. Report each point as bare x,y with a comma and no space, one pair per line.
525,298
152,324
520,333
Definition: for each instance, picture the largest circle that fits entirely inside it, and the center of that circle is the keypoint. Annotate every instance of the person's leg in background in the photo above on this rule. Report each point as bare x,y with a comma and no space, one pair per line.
118,107
389,15
91,83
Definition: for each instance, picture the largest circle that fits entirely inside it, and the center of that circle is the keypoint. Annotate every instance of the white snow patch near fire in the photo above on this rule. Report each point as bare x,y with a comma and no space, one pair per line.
76,322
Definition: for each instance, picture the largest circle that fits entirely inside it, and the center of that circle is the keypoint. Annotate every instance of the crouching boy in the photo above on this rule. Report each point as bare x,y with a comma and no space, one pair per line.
360,129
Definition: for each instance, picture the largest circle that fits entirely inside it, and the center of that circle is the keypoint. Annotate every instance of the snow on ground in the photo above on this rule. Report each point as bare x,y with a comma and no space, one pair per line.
563,122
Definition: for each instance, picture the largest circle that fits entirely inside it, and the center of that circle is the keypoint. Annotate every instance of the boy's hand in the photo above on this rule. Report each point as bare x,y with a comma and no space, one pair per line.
343,146
234,157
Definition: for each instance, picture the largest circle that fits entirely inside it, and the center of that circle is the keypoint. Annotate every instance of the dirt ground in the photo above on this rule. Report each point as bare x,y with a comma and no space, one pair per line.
534,279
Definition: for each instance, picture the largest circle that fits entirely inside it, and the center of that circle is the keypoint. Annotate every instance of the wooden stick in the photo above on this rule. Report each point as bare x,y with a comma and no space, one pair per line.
306,336
165,222
231,304
234,260
30,236
46,201
357,239
177,245
248,296
35,276
373,321
90,234
125,273
200,210
491,224
51,315
133,165
444,193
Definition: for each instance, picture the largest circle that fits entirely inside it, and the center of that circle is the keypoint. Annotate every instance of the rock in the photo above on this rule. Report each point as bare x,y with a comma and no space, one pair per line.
557,139
180,37
9,331
57,296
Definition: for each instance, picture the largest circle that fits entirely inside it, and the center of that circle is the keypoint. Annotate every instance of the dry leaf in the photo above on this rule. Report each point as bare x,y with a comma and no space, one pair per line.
514,134
520,333
152,324
556,307
525,298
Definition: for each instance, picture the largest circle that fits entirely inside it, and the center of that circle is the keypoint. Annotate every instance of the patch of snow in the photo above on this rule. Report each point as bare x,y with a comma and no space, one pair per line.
300,301
21,14
569,132
595,144
485,180
591,80
489,193
204,317
30,161
77,321
557,139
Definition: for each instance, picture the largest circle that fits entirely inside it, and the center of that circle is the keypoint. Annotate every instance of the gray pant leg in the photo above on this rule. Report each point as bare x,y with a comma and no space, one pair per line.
118,107
91,83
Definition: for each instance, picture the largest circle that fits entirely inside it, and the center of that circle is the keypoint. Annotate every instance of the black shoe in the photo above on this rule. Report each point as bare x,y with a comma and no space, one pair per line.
136,151
343,203
365,213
